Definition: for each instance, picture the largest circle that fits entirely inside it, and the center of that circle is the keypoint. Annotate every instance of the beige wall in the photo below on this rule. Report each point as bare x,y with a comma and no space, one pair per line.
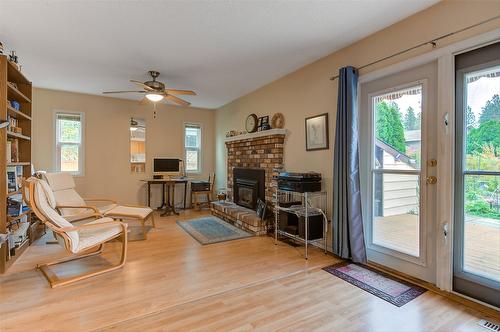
308,91
107,149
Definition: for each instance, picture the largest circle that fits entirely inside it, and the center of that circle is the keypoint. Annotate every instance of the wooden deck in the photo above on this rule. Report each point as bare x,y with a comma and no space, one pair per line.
482,241
172,283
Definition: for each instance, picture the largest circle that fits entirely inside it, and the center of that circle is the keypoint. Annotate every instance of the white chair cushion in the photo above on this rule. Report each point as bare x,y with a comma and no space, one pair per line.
49,195
91,237
60,181
129,212
42,192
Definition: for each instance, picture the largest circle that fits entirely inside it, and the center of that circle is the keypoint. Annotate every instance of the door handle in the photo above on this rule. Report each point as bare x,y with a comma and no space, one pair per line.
431,179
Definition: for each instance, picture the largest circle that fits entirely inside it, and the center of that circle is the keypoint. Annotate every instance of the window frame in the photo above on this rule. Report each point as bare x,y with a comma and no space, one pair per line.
57,144
199,149
421,259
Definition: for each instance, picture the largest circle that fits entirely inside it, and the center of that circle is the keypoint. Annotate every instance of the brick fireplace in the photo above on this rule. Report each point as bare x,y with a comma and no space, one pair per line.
252,162
258,150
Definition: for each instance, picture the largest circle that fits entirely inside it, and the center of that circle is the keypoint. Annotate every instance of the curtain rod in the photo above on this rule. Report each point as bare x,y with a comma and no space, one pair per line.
431,42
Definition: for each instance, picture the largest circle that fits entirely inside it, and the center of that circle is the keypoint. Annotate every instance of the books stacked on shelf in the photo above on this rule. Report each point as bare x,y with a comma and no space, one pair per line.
14,175
18,226
13,123
15,205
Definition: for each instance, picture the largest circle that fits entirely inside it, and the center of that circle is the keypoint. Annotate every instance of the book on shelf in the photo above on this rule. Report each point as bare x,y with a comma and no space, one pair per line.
9,151
13,150
13,122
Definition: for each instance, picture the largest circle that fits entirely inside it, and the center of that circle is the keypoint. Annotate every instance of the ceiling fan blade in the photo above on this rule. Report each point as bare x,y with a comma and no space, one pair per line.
106,92
180,92
177,100
144,101
141,84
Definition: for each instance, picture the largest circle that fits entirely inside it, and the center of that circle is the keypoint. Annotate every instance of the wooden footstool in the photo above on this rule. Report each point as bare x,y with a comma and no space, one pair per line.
140,213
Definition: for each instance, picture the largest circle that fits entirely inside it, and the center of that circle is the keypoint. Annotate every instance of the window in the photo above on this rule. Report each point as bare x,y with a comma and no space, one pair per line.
69,142
137,145
192,148
396,169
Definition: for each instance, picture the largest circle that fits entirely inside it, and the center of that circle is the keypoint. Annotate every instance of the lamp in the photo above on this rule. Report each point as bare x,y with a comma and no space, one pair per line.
154,97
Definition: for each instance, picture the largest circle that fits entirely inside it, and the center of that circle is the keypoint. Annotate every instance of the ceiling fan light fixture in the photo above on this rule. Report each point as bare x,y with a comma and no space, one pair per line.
154,97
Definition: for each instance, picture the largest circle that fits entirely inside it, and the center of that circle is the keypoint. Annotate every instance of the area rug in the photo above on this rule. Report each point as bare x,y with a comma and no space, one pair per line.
382,285
210,229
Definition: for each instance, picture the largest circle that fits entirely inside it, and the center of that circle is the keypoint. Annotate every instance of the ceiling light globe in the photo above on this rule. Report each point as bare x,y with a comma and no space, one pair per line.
154,97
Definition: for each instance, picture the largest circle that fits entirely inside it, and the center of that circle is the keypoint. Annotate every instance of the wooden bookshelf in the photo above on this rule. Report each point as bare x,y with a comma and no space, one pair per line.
17,135
14,86
16,114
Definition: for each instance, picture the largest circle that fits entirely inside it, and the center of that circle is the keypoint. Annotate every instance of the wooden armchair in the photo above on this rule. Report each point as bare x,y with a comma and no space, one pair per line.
70,204
73,207
79,241
202,188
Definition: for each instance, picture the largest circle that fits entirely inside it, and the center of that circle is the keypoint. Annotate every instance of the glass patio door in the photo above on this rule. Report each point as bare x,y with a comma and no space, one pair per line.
400,170
477,175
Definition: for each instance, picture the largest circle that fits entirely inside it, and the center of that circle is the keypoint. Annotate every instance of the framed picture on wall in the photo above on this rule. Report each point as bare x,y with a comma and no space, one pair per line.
317,132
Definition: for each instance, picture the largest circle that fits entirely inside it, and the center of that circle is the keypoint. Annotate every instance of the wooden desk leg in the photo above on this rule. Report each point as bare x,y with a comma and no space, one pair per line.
185,193
168,196
166,192
149,194
173,200
162,197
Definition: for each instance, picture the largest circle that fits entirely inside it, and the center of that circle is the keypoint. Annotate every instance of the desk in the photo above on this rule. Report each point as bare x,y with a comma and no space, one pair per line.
167,200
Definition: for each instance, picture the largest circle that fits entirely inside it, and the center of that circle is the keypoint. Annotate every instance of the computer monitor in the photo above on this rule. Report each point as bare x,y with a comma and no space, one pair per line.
166,166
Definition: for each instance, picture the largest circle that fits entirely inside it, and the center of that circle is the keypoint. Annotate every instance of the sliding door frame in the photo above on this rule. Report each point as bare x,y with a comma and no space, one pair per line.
467,282
445,141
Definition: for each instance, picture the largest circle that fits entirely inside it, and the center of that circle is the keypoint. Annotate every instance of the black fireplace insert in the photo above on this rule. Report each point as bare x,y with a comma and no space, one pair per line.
248,186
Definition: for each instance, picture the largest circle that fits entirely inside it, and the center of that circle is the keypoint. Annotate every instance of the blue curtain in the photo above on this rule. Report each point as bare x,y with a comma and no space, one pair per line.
348,237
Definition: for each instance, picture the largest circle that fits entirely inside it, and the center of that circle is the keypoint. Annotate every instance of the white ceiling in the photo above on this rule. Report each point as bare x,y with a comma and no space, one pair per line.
221,49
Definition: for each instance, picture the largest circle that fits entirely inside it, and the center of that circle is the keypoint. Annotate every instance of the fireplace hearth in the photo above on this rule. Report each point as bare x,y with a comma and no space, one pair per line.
249,186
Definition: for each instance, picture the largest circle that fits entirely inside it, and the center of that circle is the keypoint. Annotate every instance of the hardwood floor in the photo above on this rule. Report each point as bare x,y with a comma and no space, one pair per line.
171,282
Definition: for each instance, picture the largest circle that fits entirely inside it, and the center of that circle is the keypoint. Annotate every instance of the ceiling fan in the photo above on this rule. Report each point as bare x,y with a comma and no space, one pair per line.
155,91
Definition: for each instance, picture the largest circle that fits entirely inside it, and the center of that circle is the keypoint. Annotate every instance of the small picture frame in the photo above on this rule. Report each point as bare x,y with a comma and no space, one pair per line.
317,132
261,209
263,123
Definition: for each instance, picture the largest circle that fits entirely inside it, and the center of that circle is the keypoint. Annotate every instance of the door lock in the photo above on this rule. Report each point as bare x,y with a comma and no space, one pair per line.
432,162
431,179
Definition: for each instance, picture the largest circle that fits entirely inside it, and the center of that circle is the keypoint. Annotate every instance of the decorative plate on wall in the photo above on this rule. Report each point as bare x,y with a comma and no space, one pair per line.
278,121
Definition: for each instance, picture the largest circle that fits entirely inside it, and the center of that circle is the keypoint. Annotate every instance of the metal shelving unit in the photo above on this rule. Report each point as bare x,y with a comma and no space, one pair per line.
303,205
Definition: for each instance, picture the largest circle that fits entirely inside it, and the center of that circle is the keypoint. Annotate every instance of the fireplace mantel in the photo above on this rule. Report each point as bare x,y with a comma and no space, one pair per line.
270,132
